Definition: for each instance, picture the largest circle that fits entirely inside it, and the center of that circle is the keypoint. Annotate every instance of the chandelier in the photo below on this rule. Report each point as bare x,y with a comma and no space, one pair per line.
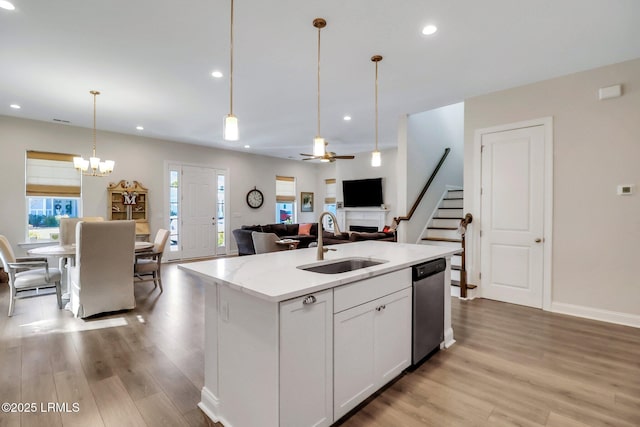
93,166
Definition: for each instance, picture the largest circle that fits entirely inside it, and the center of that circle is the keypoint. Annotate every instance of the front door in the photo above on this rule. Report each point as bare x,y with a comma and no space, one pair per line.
512,215
199,196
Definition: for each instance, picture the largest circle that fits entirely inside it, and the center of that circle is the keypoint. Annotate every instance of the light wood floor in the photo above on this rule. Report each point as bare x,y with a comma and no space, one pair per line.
510,366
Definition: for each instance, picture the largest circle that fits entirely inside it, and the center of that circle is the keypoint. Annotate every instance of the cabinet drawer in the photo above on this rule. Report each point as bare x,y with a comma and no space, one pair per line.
357,293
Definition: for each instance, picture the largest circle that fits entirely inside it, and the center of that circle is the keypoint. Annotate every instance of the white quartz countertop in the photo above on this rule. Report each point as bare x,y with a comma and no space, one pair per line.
274,276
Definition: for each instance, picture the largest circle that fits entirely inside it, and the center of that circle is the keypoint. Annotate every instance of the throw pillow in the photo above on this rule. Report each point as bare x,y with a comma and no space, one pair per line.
386,229
304,229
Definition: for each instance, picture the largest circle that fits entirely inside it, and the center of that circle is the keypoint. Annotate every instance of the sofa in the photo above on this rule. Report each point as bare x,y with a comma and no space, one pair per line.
290,231
328,238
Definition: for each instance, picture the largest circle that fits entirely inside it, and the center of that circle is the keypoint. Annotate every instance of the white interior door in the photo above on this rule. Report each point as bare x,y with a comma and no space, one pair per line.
198,207
512,215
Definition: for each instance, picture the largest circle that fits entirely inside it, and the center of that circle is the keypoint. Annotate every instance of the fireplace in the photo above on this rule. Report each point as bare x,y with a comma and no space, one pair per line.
362,218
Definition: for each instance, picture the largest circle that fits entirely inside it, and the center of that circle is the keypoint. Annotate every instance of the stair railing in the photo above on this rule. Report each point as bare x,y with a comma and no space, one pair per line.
398,219
464,222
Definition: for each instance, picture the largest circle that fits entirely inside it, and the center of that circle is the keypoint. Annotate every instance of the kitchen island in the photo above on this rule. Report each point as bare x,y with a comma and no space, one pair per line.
290,347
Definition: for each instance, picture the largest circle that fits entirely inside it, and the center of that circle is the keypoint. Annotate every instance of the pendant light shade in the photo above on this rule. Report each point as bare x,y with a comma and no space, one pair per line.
376,157
93,166
318,141
318,146
230,130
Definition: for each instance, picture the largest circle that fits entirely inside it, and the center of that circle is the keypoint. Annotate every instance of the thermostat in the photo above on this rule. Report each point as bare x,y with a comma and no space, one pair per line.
625,190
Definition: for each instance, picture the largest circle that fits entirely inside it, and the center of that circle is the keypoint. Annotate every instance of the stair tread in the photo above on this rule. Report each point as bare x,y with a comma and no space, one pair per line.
453,198
456,267
442,239
451,208
442,228
456,283
445,217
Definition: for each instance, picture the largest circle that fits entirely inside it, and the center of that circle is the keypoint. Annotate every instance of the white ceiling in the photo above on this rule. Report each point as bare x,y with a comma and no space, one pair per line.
152,60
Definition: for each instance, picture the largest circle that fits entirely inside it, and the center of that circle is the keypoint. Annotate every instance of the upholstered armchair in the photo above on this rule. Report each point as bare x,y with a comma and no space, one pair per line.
149,263
102,278
266,242
27,274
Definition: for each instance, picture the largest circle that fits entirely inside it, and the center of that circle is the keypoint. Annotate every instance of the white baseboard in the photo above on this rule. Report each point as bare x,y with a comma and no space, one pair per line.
597,314
209,404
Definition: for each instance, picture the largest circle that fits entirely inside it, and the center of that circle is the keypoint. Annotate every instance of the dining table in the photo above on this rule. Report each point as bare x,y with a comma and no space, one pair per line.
69,252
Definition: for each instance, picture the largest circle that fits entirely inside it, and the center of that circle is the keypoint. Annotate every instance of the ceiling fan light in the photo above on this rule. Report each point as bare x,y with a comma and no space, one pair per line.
376,159
325,160
318,146
231,132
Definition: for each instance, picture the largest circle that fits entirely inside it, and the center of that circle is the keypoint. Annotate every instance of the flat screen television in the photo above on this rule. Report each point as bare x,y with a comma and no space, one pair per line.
362,193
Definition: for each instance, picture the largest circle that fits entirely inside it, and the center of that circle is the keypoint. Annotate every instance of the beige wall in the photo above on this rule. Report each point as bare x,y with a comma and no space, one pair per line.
141,159
596,233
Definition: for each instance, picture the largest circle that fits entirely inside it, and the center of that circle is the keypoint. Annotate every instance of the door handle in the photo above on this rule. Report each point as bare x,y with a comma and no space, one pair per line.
538,240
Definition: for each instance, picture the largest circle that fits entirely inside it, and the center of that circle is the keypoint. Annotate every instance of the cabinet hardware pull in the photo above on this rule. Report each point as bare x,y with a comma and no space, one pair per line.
381,307
309,300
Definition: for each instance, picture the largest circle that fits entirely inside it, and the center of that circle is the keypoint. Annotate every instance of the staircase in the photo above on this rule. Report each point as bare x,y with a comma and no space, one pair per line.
442,230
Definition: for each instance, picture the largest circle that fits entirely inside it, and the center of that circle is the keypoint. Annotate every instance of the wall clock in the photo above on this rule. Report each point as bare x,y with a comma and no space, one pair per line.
255,198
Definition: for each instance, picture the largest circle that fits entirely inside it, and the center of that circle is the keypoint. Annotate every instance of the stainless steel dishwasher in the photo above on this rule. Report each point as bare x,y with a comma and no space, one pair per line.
428,308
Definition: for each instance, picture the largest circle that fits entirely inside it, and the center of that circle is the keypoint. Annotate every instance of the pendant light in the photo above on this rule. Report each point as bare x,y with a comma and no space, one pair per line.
230,132
376,158
318,141
93,166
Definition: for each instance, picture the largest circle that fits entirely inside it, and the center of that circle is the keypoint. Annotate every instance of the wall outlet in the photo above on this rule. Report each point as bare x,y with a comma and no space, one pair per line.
625,190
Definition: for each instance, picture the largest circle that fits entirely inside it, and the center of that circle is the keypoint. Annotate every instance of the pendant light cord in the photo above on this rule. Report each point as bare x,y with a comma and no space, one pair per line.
376,105
94,93
319,28
231,64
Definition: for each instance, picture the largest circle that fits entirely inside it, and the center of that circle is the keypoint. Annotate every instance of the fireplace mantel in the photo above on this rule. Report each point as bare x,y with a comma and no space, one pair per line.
367,217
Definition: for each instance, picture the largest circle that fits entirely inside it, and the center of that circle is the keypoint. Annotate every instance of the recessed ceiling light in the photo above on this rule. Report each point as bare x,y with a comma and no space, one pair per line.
346,118
247,146
15,106
4,4
429,29
217,74
139,127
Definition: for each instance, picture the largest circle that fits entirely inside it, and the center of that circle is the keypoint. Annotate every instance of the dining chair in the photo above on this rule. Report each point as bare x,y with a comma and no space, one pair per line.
27,274
68,230
149,263
102,278
266,242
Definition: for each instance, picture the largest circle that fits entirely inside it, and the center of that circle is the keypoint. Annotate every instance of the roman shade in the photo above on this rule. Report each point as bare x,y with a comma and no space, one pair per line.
285,189
330,191
51,175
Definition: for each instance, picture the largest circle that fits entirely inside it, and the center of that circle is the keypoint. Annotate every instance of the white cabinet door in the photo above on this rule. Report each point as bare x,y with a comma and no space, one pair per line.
354,345
393,336
372,345
306,361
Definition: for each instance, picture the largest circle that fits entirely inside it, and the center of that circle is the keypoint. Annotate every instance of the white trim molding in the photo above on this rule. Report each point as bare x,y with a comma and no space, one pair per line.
619,318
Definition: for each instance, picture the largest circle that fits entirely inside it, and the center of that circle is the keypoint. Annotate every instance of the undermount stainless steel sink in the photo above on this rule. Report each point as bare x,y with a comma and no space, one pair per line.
341,265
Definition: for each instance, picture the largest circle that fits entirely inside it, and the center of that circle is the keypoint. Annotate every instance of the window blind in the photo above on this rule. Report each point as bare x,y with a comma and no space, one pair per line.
285,189
330,191
51,175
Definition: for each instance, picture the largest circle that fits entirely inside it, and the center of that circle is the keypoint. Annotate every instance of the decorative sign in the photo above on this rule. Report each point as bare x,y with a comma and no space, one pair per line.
129,198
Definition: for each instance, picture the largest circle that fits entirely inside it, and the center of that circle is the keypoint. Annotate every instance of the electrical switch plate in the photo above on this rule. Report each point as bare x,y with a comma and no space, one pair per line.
625,190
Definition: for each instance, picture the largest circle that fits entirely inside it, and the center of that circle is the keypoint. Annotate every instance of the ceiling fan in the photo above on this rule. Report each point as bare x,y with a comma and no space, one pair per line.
328,156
